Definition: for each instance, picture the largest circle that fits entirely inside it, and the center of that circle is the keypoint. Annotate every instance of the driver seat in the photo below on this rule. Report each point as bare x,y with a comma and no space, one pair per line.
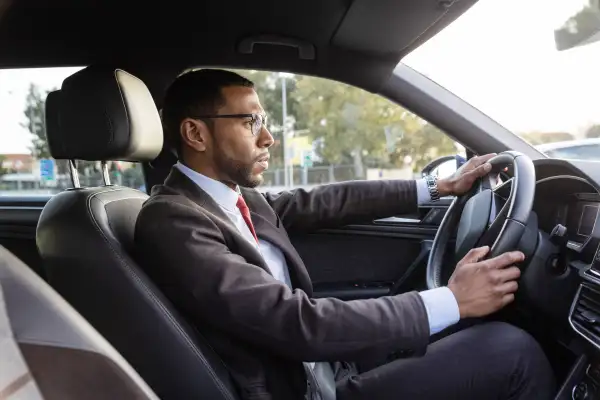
85,236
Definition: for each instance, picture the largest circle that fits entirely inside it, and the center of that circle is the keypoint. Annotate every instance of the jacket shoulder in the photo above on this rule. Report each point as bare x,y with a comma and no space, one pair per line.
164,201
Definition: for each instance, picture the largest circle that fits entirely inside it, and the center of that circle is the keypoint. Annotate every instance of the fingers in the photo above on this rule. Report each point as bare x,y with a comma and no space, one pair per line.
506,259
508,287
480,166
509,274
480,171
507,299
479,160
475,255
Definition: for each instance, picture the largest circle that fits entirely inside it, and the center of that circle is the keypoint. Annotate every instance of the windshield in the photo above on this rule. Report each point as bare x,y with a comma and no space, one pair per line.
533,66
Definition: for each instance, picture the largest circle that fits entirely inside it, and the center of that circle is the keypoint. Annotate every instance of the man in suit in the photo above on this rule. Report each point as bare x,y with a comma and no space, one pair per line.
220,251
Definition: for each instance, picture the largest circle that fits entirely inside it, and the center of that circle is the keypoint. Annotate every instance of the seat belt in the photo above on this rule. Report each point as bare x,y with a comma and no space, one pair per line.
320,381
15,377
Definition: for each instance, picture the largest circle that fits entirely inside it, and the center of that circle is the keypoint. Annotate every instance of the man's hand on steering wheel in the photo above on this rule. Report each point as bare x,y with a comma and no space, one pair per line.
484,287
464,178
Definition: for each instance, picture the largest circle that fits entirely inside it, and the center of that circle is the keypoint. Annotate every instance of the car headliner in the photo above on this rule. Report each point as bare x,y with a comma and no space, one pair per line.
359,42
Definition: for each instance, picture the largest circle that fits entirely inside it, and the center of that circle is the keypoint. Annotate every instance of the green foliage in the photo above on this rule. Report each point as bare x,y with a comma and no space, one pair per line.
3,170
364,129
35,113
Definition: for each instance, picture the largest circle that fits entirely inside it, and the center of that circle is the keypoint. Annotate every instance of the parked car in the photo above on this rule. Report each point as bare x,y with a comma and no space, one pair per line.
584,149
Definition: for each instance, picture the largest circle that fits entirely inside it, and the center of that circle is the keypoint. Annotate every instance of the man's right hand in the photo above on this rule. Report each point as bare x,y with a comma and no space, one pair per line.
483,287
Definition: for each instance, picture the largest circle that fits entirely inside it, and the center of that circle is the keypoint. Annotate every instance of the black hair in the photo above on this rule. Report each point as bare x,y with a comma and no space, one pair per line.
195,93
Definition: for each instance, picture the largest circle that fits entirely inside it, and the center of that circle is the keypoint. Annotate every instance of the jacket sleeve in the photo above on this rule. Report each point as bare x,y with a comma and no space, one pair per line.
217,287
343,203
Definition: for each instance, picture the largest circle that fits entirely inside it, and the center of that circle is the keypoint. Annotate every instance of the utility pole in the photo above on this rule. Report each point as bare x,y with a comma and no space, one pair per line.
284,141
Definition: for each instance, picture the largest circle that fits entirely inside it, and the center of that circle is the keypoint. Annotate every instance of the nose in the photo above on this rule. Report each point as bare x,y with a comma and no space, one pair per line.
265,139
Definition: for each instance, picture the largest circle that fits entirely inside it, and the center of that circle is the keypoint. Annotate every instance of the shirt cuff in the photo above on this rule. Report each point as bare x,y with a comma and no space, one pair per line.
442,308
423,195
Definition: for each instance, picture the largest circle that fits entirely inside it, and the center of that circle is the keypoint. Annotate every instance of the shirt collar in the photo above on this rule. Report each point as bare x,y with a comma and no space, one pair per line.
221,193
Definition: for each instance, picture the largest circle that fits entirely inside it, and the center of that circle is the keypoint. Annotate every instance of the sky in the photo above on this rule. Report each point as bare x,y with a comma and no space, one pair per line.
500,56
14,85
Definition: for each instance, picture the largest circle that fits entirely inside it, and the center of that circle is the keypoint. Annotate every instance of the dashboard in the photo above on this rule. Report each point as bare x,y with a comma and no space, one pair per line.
571,205
563,280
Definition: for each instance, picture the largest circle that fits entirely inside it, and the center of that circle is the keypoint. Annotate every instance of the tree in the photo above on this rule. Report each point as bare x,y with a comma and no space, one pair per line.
593,132
35,114
3,170
364,129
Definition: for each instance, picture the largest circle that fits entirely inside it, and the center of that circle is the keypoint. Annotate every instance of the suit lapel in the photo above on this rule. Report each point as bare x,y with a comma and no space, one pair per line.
261,214
268,227
185,185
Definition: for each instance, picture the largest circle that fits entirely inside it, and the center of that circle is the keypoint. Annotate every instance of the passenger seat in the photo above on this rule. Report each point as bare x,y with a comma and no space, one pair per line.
48,351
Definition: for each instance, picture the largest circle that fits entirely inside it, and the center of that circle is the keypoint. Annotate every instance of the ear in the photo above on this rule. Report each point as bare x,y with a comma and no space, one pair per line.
194,134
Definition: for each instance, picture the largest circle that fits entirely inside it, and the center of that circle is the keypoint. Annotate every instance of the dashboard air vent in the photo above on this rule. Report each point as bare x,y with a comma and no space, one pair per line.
585,314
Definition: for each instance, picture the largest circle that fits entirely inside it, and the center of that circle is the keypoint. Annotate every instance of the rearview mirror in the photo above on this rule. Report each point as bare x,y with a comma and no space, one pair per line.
443,167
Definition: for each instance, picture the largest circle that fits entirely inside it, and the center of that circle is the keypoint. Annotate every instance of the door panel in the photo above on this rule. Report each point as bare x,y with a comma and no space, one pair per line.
365,261
18,222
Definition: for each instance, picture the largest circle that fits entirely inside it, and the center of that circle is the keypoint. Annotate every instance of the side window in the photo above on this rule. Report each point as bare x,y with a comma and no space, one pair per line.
26,167
334,132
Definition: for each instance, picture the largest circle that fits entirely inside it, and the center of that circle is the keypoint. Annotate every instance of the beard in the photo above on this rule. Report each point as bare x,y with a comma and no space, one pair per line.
237,172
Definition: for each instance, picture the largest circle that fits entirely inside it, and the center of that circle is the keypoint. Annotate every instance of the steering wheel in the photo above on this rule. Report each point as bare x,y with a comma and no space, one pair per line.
490,214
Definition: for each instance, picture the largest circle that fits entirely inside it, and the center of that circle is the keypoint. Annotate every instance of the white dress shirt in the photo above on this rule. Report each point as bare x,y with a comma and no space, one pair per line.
440,303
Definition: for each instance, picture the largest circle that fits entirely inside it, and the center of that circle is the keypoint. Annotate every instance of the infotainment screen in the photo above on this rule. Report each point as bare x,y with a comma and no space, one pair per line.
585,231
587,220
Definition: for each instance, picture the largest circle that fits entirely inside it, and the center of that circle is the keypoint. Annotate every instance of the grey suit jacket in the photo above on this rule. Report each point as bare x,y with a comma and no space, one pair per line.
262,329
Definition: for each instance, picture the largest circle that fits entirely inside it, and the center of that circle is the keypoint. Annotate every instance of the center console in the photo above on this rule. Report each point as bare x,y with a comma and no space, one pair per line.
584,316
585,320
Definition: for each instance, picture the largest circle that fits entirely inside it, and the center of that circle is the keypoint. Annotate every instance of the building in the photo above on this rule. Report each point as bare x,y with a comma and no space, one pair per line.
22,163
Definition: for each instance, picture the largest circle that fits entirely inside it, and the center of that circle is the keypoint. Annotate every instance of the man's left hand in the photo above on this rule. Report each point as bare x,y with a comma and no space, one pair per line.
462,180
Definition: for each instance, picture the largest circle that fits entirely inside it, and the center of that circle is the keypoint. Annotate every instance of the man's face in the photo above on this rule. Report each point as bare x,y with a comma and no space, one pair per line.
238,155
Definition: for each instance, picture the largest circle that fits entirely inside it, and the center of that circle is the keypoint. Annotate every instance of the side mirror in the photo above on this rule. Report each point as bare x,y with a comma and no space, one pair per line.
444,166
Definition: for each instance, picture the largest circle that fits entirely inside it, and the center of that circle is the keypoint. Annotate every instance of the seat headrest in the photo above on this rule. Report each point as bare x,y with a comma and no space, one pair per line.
102,114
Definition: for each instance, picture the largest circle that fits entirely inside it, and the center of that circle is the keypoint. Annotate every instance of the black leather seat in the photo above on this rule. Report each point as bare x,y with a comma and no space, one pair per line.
48,351
85,236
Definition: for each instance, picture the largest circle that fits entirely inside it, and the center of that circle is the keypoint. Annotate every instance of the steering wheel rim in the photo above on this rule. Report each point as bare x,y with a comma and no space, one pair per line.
465,215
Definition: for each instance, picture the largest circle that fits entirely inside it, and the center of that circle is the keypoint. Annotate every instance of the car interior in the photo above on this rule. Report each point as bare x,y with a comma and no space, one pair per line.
79,318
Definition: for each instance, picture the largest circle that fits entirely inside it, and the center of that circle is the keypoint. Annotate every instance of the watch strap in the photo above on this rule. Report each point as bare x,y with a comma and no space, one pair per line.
431,181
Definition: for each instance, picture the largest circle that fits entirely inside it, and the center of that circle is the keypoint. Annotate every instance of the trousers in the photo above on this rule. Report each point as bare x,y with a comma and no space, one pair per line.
492,360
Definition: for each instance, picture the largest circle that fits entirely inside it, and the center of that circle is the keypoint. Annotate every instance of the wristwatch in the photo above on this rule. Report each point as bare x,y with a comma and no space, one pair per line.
432,186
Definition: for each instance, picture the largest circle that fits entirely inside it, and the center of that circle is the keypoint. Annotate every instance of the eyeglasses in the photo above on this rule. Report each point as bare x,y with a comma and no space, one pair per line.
257,120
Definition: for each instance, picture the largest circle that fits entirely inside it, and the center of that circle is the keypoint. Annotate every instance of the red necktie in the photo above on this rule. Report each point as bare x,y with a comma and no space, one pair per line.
241,204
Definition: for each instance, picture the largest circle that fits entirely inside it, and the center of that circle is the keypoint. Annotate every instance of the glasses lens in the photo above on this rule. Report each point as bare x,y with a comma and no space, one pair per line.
259,121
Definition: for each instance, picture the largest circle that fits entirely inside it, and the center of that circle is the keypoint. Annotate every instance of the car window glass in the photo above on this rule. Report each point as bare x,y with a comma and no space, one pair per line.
335,132
532,66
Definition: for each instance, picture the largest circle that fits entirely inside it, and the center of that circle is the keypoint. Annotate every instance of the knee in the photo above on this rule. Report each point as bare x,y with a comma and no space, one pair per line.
512,339
522,356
